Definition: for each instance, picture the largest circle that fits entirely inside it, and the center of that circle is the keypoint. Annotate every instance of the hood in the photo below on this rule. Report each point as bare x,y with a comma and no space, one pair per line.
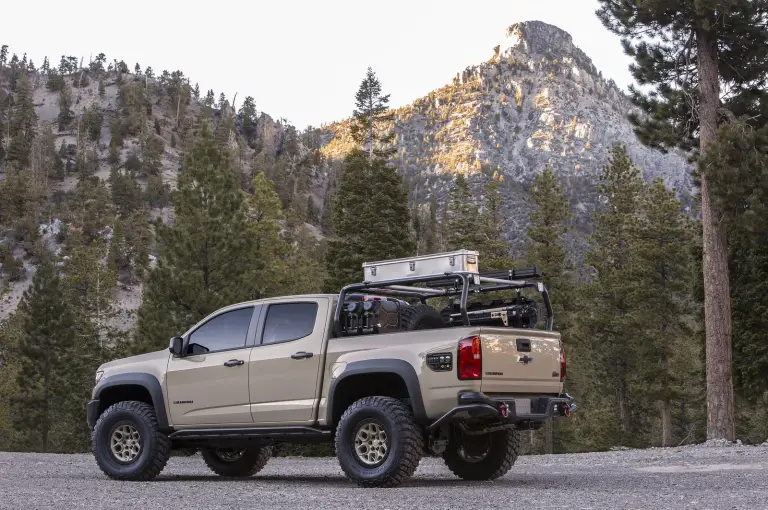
133,360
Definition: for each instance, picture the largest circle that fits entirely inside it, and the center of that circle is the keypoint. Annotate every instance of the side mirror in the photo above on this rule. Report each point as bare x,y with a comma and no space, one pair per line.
177,345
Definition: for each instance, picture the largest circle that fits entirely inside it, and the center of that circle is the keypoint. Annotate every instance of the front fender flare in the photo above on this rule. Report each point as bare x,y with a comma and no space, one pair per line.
147,381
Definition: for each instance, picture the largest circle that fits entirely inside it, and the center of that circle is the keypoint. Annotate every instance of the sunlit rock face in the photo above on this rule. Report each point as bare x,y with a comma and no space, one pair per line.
538,101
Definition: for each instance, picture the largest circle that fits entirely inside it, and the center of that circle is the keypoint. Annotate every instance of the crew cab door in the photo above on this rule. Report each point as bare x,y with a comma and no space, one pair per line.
287,361
209,384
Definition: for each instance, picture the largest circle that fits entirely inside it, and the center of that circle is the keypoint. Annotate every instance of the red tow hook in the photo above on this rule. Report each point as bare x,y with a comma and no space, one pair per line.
567,410
504,410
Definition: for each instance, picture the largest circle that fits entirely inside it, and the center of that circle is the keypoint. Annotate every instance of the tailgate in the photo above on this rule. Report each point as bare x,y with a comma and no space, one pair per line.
523,361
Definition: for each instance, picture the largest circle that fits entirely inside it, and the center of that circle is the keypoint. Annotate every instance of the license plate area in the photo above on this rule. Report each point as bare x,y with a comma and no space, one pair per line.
522,406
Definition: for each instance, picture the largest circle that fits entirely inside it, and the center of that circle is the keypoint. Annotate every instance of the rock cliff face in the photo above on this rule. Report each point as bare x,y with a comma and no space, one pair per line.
538,101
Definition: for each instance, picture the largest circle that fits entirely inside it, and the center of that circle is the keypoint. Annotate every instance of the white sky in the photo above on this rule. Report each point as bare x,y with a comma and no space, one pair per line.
300,59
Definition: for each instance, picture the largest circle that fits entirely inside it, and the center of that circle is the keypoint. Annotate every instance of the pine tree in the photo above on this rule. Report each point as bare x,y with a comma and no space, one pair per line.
370,219
89,286
304,267
45,162
118,250
248,117
546,250
607,320
196,91
152,150
371,125
264,211
432,228
494,249
23,126
66,115
209,99
3,55
738,167
102,88
92,121
13,268
663,269
699,68
206,258
463,226
45,354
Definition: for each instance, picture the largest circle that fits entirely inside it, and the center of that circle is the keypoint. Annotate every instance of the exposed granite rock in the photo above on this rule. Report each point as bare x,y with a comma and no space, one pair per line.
538,101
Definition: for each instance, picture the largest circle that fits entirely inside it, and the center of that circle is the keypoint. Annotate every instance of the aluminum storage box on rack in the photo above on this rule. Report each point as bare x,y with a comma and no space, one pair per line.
436,263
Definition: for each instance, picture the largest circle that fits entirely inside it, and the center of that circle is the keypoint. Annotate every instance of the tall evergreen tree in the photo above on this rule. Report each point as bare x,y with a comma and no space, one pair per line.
66,115
706,61
370,219
463,226
738,167
371,128
206,258
494,248
663,270
23,127
45,354
547,251
432,228
607,319
89,285
270,250
248,118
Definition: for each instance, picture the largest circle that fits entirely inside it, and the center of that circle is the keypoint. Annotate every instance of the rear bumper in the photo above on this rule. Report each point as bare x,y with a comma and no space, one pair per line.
477,406
92,413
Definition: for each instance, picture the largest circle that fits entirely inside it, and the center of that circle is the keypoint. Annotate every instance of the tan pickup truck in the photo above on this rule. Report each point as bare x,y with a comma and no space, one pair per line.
376,369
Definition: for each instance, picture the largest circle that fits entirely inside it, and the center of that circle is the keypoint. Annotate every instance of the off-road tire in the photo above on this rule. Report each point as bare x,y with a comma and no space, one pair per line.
420,316
251,462
405,442
504,447
155,447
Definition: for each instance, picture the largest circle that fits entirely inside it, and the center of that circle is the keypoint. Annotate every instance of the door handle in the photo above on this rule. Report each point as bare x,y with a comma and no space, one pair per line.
233,363
302,355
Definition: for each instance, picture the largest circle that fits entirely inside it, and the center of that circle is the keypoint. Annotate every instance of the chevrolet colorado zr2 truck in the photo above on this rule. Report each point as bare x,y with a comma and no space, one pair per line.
376,369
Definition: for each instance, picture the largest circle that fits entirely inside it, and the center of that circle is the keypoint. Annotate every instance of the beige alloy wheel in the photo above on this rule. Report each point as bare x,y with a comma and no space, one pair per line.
371,443
125,443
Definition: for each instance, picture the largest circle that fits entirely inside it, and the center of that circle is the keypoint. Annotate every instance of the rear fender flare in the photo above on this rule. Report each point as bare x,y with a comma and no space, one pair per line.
392,366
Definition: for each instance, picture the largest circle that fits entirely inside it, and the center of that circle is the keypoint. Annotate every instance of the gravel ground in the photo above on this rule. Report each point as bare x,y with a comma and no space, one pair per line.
688,477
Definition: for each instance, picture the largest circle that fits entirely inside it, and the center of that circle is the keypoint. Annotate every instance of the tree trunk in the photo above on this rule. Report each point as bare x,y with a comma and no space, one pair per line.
622,396
666,422
548,436
45,424
717,292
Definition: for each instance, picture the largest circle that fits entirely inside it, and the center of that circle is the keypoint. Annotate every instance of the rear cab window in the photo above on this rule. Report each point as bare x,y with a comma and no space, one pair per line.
286,322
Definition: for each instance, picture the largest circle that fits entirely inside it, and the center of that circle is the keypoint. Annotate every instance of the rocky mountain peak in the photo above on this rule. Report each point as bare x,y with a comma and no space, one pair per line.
539,39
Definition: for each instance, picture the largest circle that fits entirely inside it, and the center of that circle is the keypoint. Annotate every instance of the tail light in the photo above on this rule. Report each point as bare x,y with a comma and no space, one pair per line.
470,363
562,362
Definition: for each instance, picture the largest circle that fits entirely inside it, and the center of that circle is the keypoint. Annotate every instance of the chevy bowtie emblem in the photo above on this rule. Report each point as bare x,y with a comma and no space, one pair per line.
525,359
